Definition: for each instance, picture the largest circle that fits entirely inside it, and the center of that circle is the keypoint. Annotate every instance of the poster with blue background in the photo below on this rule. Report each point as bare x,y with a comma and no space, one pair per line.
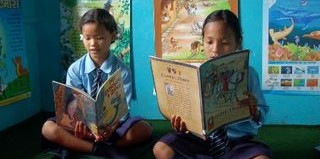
291,53
14,74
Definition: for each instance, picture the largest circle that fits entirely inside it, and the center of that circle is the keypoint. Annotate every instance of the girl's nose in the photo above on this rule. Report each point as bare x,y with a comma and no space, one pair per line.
92,42
214,48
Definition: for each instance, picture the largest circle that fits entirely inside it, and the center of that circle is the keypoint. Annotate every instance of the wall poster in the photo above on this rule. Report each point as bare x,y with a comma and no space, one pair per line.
291,47
14,73
70,13
178,26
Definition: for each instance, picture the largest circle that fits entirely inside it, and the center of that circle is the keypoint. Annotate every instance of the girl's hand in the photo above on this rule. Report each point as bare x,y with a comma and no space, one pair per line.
82,131
107,133
177,124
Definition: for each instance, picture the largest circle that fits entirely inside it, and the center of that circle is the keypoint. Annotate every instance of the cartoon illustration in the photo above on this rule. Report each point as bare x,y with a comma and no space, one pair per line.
196,47
20,70
169,89
286,69
299,70
304,2
272,82
299,82
281,34
286,82
312,82
14,79
181,23
298,41
111,114
107,5
313,35
293,48
229,80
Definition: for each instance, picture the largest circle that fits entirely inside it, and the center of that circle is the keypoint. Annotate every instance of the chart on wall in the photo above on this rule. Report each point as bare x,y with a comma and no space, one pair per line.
70,38
178,27
14,73
291,47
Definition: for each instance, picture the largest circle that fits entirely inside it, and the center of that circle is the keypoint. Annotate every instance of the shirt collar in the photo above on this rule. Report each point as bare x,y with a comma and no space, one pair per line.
106,66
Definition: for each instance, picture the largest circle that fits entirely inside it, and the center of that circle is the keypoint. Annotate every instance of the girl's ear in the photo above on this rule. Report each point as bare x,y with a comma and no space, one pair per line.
239,45
114,36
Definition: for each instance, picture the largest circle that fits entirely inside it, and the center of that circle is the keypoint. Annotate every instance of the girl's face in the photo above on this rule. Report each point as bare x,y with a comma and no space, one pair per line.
218,39
97,40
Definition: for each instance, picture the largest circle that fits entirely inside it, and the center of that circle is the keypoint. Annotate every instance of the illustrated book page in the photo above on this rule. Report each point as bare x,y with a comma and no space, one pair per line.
111,101
224,84
205,96
178,91
73,104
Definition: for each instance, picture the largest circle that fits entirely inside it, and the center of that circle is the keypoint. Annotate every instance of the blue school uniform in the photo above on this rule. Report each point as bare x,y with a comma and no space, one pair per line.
81,75
240,135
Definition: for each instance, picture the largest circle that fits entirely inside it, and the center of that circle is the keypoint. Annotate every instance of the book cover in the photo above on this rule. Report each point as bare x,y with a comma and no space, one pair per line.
206,96
73,104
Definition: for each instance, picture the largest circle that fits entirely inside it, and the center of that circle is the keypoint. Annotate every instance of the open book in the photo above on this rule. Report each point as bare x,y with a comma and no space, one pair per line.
73,104
206,96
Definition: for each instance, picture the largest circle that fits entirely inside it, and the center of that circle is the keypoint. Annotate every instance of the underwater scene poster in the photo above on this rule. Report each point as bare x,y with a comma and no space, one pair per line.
14,73
291,47
70,37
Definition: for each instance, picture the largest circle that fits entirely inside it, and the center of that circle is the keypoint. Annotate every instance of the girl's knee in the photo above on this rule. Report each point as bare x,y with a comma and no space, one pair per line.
142,129
162,151
49,130
261,157
139,132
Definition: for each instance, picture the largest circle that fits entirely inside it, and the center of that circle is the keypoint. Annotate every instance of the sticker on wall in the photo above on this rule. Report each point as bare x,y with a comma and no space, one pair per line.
14,73
70,39
291,47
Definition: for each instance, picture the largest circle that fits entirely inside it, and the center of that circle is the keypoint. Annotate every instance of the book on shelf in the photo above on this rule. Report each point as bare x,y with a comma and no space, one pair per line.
73,104
206,96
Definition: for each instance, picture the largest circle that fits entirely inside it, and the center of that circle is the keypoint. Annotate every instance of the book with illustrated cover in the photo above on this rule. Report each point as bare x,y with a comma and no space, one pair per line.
206,96
73,104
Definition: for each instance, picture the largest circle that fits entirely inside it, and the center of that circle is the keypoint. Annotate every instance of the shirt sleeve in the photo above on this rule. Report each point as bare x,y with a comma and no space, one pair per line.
250,127
254,88
127,83
73,77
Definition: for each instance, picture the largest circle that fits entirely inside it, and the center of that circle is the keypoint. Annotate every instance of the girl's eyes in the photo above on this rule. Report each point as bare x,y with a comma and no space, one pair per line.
97,38
224,42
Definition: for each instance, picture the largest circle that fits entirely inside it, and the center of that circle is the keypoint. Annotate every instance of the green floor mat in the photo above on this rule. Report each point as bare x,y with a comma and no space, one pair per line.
22,141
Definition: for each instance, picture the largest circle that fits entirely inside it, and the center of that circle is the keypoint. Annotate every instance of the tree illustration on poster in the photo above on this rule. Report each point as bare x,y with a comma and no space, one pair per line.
178,27
14,73
70,13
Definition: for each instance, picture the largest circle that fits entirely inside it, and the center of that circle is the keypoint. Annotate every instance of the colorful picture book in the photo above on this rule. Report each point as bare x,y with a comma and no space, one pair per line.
73,104
206,96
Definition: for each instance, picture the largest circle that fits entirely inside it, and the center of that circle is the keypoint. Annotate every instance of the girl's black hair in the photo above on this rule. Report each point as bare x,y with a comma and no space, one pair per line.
229,18
99,16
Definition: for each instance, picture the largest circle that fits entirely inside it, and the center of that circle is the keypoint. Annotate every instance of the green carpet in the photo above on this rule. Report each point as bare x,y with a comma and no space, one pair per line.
22,141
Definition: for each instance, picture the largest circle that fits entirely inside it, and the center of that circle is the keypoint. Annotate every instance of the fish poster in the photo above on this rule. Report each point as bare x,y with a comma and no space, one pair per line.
291,47
14,72
70,37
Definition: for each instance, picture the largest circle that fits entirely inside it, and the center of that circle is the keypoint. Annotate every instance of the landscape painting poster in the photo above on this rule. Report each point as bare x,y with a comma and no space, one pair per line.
178,27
